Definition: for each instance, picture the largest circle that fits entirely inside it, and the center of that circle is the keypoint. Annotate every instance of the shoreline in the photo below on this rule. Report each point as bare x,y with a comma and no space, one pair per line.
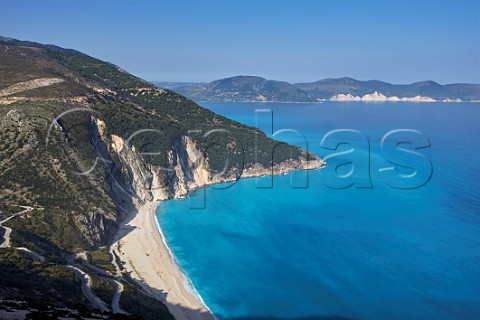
141,245
143,248
187,282
335,100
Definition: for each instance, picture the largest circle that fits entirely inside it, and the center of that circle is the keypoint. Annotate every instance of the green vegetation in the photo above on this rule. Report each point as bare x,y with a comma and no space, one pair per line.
245,89
51,232
96,70
64,195
29,280
102,289
327,88
101,258
6,210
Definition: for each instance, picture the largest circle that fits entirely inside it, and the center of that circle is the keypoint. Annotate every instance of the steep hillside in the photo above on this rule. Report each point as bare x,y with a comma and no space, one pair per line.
244,89
329,88
82,144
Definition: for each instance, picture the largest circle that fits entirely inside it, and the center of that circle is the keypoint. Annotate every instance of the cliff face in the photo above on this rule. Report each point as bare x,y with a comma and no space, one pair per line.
134,181
190,169
379,97
129,178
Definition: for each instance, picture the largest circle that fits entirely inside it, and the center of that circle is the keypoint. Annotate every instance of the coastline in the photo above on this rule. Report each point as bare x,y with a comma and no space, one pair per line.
346,100
143,247
187,282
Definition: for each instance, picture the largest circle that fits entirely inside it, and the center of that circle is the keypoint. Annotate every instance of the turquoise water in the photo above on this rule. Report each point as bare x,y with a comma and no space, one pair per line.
355,253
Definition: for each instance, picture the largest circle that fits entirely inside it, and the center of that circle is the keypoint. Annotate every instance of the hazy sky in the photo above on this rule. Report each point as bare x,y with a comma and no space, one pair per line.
293,40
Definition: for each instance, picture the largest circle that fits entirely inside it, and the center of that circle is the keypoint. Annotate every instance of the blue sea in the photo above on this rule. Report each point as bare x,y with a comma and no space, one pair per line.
307,246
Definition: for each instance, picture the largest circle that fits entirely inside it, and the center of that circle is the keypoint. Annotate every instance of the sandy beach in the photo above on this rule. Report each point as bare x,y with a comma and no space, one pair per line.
149,261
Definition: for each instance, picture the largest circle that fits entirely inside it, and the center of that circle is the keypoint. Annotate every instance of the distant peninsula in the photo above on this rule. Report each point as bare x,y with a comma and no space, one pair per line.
257,89
242,89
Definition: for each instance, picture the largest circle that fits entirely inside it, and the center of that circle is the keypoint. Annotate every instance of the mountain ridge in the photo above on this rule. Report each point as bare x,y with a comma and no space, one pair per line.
326,89
244,89
343,89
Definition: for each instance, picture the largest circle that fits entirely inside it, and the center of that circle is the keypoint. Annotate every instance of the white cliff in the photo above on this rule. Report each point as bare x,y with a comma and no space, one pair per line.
134,182
379,97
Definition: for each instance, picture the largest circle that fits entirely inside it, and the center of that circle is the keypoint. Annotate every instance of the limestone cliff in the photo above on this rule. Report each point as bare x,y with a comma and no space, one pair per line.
379,97
133,181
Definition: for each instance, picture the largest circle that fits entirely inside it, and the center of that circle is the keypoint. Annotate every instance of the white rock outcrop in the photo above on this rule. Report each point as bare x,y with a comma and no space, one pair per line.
133,181
379,97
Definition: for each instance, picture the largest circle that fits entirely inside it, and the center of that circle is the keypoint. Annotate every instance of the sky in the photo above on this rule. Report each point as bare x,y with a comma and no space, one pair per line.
292,40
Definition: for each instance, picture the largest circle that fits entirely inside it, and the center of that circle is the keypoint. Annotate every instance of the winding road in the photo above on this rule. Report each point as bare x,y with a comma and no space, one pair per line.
32,254
8,231
87,288
118,288
106,275
85,278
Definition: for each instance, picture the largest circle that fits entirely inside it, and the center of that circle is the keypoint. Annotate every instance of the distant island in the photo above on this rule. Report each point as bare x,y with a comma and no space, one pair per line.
242,89
257,89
